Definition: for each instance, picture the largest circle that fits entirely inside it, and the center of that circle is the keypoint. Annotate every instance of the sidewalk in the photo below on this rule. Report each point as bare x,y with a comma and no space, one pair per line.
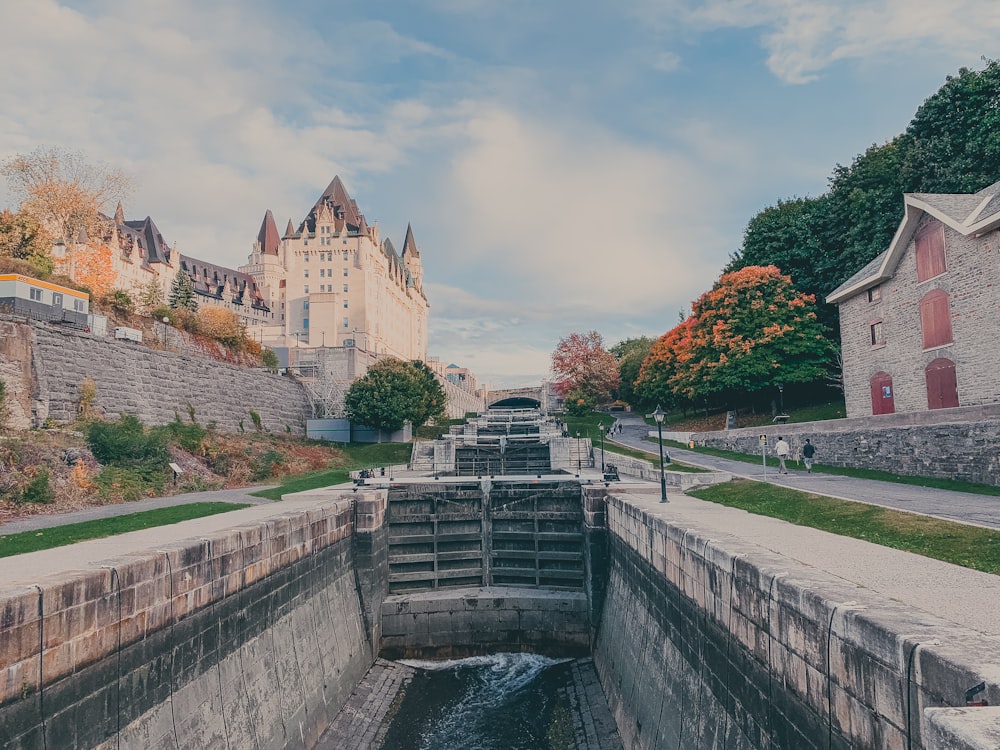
964,507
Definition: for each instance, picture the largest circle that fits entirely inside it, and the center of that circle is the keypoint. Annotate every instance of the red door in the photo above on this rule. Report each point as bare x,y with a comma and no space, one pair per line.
882,396
942,384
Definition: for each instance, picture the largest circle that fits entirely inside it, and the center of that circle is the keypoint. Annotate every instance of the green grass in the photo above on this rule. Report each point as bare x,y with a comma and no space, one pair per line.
968,546
954,485
589,426
58,536
357,456
650,456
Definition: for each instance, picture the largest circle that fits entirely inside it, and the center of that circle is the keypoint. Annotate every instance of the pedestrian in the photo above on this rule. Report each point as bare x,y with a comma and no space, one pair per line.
808,451
781,451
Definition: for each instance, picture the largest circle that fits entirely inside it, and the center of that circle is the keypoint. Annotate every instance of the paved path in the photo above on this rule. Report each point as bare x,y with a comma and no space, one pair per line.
31,523
966,507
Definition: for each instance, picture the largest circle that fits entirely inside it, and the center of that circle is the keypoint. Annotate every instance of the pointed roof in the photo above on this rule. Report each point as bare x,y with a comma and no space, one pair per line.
150,240
120,214
410,245
342,207
290,229
969,215
268,235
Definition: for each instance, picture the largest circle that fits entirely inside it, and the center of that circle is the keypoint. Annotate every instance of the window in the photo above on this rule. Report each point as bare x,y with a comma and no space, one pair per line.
930,252
345,287
345,272
935,319
877,333
305,289
345,252
305,273
345,322
305,257
322,272
79,305
35,294
305,305
305,322
345,304
875,294
56,300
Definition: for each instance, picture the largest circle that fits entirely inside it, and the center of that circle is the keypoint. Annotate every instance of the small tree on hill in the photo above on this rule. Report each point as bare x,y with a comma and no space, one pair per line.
581,365
386,397
182,295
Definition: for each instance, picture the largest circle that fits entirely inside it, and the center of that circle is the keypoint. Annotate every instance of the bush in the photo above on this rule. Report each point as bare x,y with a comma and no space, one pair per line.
119,484
268,465
255,418
191,437
120,302
37,490
269,360
222,325
127,444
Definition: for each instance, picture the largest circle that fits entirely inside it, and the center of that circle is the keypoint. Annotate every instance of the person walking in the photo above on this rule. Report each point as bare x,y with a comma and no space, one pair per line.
808,451
781,451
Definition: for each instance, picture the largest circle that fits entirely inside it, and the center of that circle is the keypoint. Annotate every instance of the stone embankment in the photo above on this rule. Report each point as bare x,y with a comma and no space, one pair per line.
945,443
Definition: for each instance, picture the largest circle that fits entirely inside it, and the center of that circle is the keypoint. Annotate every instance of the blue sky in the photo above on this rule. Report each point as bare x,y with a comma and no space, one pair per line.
566,166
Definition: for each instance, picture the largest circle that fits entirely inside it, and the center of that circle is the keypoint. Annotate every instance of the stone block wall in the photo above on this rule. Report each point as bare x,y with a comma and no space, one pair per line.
250,638
155,385
469,622
709,642
946,443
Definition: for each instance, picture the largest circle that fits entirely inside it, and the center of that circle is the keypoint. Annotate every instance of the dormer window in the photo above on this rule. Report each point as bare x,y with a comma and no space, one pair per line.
875,294
930,252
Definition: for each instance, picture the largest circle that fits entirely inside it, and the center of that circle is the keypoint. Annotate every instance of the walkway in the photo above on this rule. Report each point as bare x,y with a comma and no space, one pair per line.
965,507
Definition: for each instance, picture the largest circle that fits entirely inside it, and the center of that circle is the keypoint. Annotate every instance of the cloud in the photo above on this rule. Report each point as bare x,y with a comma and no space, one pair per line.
803,38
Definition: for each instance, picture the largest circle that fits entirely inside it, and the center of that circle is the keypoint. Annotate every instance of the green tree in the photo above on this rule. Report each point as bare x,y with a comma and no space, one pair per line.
182,294
630,354
151,297
388,395
433,401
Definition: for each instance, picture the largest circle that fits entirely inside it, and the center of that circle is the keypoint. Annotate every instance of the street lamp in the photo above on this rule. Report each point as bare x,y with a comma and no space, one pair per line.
166,322
781,398
579,458
601,428
658,415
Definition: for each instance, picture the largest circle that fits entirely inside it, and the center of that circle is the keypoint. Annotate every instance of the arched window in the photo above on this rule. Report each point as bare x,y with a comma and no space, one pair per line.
930,251
942,384
935,319
882,395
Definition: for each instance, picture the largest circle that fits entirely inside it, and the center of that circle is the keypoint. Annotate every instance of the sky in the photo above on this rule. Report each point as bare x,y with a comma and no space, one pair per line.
566,166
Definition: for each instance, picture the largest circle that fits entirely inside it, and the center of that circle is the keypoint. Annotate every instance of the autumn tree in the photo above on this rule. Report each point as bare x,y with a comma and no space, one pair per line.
585,373
222,325
63,191
660,368
89,265
751,331
22,237
182,294
390,394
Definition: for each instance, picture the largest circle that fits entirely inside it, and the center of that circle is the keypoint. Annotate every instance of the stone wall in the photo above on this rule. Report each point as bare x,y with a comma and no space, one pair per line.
251,638
155,385
710,642
460,401
467,622
947,443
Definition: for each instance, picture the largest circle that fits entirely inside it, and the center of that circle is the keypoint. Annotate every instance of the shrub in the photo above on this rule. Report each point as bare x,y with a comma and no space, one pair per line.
269,360
88,398
120,302
267,466
37,490
3,403
222,325
191,437
119,484
255,418
126,443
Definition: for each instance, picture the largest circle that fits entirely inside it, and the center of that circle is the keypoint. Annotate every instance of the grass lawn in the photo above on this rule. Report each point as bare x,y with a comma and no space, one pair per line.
968,546
649,456
955,485
57,536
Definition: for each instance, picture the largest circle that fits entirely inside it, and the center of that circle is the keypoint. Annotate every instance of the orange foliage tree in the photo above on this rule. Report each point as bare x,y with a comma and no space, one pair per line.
751,331
89,264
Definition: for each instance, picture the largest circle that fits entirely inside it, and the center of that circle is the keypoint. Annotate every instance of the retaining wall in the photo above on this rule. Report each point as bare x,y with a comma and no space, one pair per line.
948,443
709,642
251,638
154,385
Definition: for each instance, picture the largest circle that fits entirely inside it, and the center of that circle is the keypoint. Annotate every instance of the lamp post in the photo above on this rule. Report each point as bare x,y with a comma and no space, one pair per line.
579,458
781,398
658,415
166,322
601,428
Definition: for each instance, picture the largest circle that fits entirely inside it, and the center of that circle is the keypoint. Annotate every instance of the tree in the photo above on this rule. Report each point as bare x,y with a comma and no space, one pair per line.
433,400
630,354
751,331
22,236
581,364
63,191
182,294
661,366
222,325
388,395
89,264
151,297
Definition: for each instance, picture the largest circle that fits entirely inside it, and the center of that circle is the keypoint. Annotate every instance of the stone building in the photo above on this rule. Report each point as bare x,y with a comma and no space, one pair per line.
920,324
333,282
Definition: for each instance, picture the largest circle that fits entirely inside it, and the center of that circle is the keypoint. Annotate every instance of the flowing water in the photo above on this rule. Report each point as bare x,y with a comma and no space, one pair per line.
496,702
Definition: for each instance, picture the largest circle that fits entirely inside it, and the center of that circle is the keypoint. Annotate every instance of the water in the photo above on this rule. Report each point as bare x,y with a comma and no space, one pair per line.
496,702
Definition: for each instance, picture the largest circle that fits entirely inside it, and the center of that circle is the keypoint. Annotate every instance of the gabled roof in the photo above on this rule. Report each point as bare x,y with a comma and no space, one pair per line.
969,215
345,210
149,240
268,235
211,280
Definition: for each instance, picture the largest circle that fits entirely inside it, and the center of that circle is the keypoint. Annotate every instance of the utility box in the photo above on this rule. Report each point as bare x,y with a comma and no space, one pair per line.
97,324
124,333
